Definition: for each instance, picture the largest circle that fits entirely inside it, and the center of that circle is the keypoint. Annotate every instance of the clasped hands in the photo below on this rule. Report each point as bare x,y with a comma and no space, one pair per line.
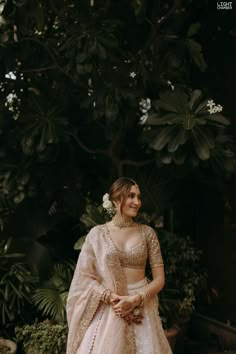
126,307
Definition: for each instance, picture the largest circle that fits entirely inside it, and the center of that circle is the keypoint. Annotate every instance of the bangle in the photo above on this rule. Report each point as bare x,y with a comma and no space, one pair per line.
142,298
105,295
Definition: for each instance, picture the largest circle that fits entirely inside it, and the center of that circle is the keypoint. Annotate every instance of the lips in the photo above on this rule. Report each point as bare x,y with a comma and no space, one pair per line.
134,208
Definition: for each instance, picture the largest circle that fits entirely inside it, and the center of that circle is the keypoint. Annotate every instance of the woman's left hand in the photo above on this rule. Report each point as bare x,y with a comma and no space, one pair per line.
125,304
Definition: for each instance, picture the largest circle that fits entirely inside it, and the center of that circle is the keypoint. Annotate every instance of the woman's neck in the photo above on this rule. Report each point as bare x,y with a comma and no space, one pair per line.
122,221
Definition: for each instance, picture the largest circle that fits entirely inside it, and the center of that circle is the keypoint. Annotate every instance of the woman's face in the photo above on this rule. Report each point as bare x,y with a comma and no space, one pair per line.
132,203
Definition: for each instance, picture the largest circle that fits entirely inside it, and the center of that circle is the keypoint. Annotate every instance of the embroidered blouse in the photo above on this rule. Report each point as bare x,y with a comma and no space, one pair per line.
148,248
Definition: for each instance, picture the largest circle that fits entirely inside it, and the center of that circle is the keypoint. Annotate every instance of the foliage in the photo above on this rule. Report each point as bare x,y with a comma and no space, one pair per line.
184,130
50,297
79,69
16,286
43,338
92,216
185,277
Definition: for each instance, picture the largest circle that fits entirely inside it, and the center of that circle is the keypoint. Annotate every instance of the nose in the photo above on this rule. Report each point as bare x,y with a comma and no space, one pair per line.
137,201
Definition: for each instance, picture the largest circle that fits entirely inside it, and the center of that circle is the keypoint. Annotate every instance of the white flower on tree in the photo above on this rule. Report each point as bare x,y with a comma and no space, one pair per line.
213,108
11,75
132,74
12,104
144,106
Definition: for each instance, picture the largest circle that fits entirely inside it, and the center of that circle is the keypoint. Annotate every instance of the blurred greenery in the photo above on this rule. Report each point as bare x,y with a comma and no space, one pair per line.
50,297
72,79
43,338
16,285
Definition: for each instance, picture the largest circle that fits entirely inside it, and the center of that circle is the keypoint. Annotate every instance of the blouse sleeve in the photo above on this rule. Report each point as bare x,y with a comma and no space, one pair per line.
154,250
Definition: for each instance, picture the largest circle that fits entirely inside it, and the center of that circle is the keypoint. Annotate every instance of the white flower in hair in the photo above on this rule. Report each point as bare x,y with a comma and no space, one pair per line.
105,197
108,205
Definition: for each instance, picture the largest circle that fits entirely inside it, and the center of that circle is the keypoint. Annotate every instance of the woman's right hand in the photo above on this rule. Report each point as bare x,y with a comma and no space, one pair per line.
113,298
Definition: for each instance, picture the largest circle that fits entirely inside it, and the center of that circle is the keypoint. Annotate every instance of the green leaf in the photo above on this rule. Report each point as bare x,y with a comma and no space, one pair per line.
201,108
200,145
194,99
166,157
108,42
78,245
180,157
219,118
102,51
171,118
195,51
176,102
179,139
206,135
193,29
162,138
189,121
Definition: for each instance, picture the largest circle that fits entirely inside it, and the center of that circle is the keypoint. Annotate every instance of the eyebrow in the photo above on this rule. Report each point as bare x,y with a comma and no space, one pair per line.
133,193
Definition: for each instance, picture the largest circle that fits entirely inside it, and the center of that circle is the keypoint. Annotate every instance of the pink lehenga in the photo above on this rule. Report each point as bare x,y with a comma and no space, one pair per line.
93,325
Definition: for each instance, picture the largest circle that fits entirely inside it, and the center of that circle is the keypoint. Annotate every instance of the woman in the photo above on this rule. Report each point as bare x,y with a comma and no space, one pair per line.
112,308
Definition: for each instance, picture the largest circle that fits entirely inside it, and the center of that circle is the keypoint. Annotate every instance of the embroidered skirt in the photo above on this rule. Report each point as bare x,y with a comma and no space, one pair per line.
149,336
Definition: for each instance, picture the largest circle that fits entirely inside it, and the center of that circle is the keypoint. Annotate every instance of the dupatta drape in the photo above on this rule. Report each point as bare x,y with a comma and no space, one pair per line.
98,268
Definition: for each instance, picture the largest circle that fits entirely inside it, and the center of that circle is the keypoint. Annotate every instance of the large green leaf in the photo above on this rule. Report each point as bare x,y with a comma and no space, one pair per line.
206,135
176,102
179,139
201,108
189,121
169,118
78,245
163,137
193,29
201,146
217,117
194,99
166,157
180,156
195,50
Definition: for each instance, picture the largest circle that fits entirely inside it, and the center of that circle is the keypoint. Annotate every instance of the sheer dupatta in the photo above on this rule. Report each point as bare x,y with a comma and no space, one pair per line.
98,268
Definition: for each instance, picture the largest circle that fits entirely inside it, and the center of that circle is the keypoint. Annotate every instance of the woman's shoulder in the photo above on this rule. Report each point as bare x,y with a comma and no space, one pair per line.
149,233
147,229
95,231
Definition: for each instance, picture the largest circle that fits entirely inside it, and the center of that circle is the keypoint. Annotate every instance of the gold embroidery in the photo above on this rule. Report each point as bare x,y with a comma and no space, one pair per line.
120,284
136,257
154,250
113,261
95,333
130,345
88,315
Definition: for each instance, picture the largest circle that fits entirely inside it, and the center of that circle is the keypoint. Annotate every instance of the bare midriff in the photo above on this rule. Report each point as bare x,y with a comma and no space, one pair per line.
133,275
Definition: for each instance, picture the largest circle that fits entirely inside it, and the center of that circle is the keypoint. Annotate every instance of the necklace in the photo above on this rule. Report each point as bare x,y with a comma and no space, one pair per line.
121,223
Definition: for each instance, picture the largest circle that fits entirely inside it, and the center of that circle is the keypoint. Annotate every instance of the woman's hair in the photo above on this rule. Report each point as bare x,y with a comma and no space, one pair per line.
120,189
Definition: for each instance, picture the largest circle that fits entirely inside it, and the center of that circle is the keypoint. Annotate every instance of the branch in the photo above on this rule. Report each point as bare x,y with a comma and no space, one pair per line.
45,68
136,163
89,150
160,22
51,55
177,4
